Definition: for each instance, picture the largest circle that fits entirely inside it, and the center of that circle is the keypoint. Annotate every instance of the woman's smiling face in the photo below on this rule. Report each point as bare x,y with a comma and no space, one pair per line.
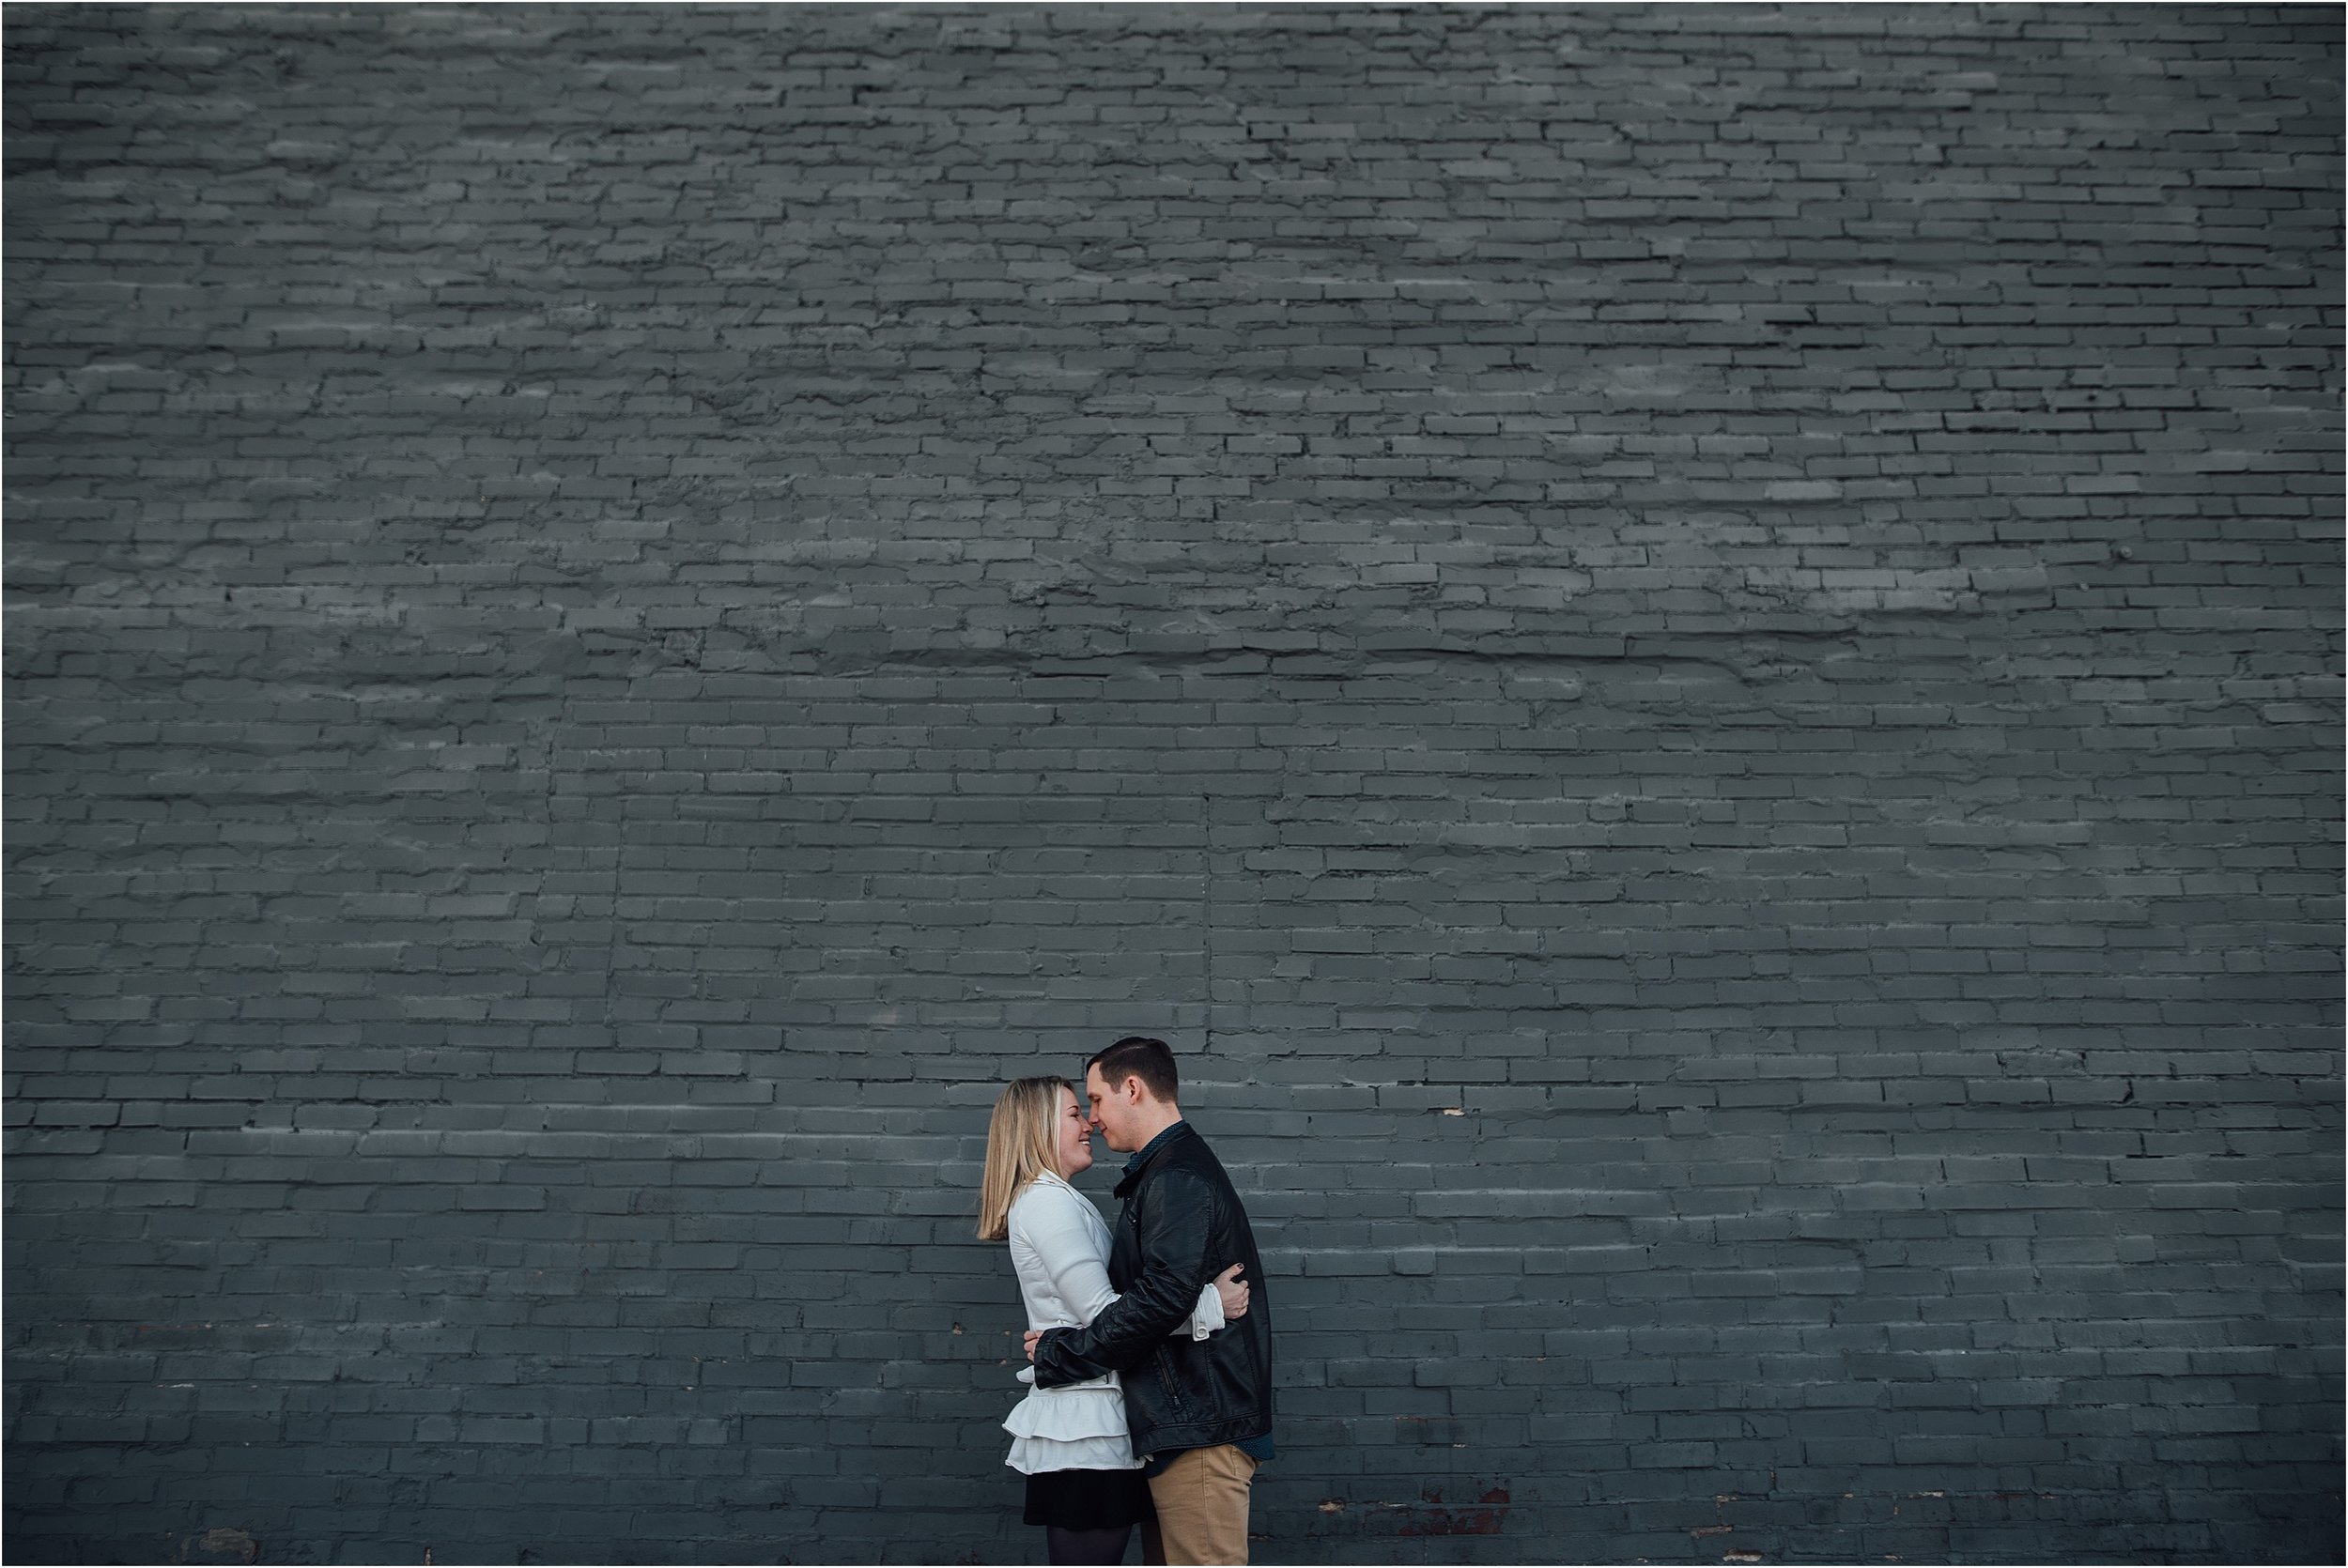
1072,1138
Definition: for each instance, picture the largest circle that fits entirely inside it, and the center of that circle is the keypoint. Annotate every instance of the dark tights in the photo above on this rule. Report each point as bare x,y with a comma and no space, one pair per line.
1085,1546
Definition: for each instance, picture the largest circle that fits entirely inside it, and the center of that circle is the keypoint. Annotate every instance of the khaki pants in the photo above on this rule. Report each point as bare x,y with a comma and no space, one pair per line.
1202,1500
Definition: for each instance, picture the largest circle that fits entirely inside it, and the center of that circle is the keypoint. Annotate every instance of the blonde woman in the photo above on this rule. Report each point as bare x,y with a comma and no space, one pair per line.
1085,1487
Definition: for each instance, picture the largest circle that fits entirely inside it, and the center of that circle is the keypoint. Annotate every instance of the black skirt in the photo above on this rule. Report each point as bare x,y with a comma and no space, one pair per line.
1087,1499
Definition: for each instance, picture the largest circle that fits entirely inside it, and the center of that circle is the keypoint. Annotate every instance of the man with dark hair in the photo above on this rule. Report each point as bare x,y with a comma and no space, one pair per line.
1198,1411
1138,1056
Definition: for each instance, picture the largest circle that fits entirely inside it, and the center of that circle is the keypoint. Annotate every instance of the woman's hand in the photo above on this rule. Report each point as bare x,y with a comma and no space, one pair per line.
1233,1290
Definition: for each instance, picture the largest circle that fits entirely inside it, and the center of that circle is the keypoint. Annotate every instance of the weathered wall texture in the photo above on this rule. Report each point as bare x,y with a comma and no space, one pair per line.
1691,653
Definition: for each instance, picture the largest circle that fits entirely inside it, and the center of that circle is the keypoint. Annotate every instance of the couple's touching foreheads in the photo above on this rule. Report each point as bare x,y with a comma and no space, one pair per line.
1151,1341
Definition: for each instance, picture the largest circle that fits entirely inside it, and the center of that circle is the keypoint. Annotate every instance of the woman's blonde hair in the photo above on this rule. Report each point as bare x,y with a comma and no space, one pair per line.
1021,1144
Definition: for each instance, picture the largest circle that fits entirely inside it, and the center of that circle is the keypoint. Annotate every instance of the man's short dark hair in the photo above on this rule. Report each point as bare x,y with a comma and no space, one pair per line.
1138,1056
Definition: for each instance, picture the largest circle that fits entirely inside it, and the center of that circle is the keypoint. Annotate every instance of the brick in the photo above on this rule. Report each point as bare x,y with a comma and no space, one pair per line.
545,797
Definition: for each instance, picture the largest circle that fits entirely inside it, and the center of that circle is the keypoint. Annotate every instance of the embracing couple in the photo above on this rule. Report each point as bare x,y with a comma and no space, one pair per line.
1152,1343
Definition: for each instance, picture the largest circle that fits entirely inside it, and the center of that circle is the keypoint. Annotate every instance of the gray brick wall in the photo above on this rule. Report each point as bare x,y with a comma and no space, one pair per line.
1691,653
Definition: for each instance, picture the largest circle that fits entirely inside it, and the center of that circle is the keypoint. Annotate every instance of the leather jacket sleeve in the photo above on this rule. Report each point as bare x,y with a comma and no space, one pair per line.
1051,1243
1174,1236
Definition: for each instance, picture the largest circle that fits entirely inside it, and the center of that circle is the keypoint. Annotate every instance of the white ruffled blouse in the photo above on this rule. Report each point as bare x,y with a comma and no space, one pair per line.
1059,1244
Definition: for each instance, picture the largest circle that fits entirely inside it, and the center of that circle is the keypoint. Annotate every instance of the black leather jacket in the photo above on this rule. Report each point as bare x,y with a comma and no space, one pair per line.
1182,1225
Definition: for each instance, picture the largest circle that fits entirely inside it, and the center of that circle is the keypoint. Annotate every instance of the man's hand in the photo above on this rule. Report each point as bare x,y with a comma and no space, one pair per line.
1033,1334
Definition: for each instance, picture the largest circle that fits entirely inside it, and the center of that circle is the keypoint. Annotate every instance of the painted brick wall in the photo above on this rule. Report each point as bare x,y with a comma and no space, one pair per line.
1691,653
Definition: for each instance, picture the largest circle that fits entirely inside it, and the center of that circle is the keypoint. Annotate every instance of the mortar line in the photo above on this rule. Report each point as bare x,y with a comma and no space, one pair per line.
1206,885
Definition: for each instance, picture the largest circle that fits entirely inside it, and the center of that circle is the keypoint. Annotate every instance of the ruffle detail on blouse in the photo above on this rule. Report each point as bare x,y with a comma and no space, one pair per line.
1076,1428
1034,1456
1064,1415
